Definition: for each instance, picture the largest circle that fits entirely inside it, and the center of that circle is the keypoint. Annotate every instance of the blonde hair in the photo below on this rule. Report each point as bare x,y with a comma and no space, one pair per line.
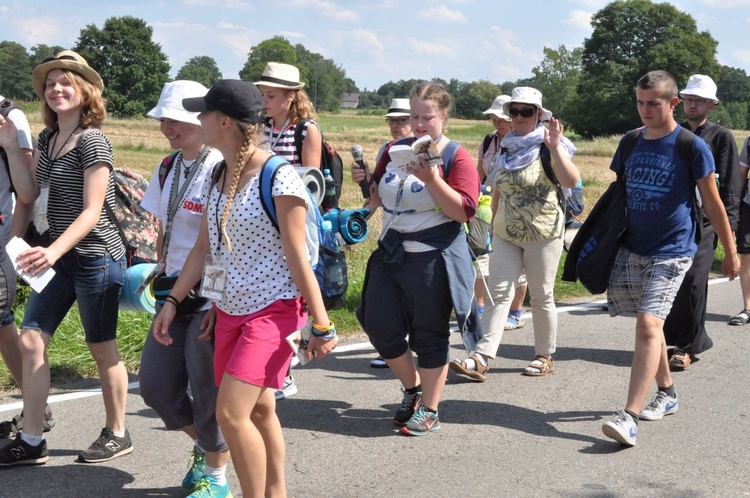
93,110
435,92
301,107
250,136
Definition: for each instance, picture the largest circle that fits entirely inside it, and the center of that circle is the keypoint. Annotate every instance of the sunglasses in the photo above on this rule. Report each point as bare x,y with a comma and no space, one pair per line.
61,58
526,112
398,121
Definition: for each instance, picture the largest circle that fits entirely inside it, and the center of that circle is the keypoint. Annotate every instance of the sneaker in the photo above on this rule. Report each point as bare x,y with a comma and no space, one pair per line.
288,389
514,322
196,468
15,425
19,452
661,404
207,487
421,423
408,407
106,447
479,373
622,429
378,362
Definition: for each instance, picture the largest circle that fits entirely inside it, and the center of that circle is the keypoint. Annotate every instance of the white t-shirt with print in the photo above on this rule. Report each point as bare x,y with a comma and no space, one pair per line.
187,219
257,274
18,118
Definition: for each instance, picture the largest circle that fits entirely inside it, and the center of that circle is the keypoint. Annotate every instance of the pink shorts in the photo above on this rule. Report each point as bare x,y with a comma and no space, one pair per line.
253,348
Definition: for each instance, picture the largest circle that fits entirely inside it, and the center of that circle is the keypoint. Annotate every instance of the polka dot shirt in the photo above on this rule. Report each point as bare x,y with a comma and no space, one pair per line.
257,274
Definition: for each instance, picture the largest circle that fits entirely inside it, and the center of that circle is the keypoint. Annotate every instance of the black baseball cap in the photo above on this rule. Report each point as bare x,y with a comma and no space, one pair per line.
238,99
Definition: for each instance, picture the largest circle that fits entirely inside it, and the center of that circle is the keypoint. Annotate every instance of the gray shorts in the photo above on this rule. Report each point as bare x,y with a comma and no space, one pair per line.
642,284
7,289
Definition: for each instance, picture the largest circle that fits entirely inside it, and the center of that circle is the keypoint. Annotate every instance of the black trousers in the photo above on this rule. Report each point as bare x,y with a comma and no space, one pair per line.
685,326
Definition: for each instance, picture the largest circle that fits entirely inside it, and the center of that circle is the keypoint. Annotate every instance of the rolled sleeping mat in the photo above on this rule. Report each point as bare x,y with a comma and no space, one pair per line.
313,180
350,223
134,277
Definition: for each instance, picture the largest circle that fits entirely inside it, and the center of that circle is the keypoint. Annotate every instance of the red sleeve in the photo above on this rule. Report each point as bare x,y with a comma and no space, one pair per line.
464,179
379,171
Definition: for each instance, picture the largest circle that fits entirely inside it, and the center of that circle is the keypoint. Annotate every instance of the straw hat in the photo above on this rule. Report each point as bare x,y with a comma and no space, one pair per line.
497,107
702,86
399,108
279,75
68,60
170,101
237,99
527,95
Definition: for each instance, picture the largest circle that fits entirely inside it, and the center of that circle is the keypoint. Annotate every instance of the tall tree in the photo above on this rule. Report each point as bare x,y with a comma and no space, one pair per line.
41,52
630,38
276,49
15,72
202,69
325,80
557,77
132,65
470,99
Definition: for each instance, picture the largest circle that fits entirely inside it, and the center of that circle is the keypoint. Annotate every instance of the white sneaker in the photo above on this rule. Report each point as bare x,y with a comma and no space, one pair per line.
622,429
661,404
288,390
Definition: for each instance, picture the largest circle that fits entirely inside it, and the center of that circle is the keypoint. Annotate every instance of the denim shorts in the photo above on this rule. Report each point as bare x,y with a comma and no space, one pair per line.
95,282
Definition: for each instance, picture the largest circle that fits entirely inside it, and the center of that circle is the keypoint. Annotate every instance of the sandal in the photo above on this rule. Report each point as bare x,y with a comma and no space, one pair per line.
459,366
539,367
740,318
514,322
680,360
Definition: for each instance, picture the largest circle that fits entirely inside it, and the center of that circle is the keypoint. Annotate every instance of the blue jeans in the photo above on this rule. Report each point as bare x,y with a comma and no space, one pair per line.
95,282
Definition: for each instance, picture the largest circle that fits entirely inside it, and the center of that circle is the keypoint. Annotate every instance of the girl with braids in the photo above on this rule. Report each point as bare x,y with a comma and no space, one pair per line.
268,284
288,108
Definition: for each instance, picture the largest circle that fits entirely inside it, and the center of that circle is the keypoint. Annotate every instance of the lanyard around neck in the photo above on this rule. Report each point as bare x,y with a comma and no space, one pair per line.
275,138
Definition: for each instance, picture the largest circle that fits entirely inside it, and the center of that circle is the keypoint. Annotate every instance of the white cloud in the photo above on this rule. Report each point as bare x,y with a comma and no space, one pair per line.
360,40
578,19
292,34
726,4
431,49
329,10
442,14
742,55
49,30
590,4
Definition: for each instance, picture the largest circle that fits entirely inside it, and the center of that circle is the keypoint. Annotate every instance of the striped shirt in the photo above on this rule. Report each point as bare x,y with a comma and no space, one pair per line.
282,141
65,204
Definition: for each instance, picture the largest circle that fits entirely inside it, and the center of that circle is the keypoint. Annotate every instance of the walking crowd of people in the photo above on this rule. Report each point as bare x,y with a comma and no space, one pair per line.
214,366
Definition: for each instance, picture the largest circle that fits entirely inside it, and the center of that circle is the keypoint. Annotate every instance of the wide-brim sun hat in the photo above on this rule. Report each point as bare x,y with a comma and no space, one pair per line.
280,75
527,95
170,101
497,109
399,108
238,99
70,61
701,86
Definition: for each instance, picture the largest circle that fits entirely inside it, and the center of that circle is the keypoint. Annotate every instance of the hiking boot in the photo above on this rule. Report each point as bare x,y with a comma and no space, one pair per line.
478,373
209,488
421,423
288,389
15,425
661,404
408,407
622,429
197,467
106,447
19,452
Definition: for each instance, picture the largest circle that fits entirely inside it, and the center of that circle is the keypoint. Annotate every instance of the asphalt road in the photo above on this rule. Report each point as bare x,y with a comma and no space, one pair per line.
510,436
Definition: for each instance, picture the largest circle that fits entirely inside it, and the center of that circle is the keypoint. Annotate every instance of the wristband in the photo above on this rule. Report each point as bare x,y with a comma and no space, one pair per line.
327,333
322,328
171,299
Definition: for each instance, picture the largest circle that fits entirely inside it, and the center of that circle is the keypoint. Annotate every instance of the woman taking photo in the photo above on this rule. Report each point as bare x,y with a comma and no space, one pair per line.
528,226
423,249
72,176
264,284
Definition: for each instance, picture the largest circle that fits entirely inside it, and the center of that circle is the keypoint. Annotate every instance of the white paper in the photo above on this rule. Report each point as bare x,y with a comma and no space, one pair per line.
298,340
15,247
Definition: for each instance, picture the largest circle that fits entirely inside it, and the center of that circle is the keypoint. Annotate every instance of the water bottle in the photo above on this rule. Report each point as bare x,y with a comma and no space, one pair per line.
334,271
484,211
330,183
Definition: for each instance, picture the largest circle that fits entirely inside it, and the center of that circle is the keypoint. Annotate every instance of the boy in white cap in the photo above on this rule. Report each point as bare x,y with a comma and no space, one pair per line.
685,327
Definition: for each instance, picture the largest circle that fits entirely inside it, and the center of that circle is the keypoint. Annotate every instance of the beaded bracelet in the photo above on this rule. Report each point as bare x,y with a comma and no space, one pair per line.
171,299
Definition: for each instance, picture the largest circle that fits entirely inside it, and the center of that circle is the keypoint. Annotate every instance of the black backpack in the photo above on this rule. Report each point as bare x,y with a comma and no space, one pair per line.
329,159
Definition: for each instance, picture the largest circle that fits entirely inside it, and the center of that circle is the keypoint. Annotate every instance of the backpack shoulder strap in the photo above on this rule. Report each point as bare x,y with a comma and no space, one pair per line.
486,143
626,147
165,167
298,139
686,147
267,176
449,157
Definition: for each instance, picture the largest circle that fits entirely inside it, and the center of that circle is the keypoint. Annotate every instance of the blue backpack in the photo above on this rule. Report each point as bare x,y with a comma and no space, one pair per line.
328,263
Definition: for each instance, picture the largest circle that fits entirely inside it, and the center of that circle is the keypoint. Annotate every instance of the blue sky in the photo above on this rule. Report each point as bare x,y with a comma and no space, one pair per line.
374,41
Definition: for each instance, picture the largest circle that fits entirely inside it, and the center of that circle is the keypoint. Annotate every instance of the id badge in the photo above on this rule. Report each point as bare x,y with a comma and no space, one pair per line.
214,280
158,269
43,199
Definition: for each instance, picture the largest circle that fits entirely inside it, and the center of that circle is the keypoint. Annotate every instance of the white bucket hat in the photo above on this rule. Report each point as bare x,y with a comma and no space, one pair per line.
170,101
280,75
497,107
702,86
527,95
399,108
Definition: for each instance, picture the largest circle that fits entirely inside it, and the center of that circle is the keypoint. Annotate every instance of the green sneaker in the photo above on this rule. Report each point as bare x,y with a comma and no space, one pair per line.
421,423
195,470
208,488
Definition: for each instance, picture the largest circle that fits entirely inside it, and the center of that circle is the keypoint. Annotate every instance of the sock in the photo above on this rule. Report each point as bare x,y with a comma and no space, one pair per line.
669,391
516,313
434,412
218,473
470,364
414,390
636,418
198,448
32,440
480,309
481,359
119,433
